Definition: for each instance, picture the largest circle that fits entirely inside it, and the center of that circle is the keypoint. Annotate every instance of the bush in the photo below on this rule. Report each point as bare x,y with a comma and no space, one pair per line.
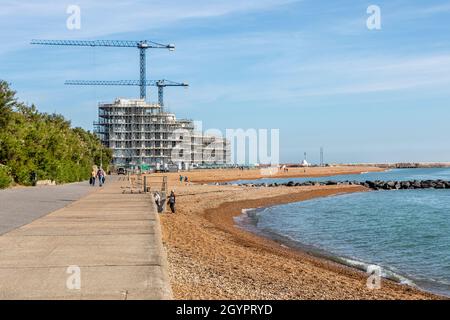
43,145
5,179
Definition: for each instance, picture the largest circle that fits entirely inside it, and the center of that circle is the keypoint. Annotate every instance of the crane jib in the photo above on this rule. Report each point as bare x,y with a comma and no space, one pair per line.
141,45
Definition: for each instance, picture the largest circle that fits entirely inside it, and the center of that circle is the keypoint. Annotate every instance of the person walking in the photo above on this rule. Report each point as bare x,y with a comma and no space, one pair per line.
101,177
181,178
93,175
172,200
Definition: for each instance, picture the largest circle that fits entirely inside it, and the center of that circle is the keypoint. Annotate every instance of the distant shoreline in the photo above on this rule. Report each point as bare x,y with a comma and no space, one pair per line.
401,165
228,175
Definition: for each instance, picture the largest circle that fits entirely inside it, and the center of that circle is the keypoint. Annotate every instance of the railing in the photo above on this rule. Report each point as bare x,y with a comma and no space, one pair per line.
134,185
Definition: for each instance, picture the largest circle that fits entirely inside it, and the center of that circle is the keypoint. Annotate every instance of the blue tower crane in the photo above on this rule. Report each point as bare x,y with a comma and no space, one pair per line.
142,45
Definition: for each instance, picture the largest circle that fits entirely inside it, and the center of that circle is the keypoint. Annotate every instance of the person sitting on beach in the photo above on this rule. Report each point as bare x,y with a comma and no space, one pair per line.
171,201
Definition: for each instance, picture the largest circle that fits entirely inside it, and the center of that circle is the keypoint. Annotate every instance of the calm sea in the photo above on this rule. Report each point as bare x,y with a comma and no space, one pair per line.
395,174
405,232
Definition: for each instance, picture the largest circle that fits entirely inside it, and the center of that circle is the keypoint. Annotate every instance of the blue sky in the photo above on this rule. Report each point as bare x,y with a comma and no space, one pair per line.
310,68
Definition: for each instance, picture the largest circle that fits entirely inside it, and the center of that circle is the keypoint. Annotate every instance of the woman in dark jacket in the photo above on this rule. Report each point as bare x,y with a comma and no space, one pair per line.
171,201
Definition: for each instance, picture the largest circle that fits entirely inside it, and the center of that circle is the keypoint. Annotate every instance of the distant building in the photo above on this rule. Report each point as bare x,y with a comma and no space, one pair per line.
139,133
304,162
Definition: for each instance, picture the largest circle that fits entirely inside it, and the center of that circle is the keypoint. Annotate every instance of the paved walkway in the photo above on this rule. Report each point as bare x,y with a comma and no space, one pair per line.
113,238
20,206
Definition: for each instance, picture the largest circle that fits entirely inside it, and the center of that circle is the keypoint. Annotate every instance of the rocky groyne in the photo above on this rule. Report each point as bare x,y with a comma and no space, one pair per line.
374,185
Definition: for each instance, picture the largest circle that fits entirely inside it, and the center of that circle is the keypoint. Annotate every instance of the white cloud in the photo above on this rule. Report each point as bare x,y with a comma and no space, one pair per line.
288,68
437,9
46,19
285,80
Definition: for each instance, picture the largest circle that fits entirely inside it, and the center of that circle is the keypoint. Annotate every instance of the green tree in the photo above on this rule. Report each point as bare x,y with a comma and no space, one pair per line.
43,144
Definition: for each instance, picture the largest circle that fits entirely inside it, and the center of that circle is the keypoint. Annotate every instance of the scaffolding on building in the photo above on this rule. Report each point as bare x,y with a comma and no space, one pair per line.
140,134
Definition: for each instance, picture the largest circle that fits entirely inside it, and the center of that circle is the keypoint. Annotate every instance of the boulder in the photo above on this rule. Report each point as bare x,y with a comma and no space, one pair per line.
405,184
391,184
440,185
416,184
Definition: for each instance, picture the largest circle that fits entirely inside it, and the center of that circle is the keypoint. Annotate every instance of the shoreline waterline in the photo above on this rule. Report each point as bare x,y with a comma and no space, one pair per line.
248,219
317,252
277,246
212,258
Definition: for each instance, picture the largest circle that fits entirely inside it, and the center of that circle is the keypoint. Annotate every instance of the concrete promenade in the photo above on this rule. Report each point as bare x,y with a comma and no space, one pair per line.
19,206
112,239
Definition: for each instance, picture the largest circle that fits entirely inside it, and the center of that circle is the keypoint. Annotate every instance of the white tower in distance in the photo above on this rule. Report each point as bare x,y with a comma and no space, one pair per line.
304,162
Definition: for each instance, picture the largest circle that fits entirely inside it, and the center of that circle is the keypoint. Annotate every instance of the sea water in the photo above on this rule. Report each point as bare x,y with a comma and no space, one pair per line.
405,232
393,174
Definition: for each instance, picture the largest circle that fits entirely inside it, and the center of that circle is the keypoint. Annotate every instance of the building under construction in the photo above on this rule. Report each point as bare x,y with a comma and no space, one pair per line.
142,134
